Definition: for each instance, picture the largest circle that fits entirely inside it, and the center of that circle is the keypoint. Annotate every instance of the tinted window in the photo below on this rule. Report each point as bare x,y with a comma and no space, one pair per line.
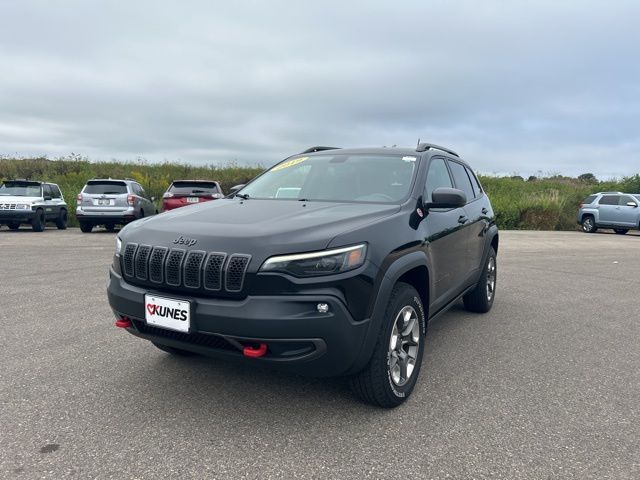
589,200
46,191
477,188
609,200
461,179
105,187
626,198
187,188
55,191
437,176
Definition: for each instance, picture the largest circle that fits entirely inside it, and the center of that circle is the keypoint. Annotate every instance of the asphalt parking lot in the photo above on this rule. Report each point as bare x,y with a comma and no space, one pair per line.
547,385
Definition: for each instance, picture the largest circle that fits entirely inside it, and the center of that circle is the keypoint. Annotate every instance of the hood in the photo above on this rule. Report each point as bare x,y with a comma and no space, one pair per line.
18,199
260,228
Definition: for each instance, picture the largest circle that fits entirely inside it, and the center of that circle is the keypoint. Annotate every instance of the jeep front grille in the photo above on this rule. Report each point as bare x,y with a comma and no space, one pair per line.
177,268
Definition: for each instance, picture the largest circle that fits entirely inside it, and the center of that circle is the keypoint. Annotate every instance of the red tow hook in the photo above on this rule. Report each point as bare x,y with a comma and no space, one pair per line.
124,322
253,352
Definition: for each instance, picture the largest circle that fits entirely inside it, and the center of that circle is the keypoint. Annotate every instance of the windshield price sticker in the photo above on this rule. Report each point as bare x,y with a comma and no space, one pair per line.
289,163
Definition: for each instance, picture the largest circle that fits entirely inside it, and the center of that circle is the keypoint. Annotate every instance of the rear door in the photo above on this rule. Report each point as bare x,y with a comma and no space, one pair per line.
608,209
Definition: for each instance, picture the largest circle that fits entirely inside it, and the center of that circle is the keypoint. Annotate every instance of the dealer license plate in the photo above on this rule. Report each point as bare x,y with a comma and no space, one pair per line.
167,313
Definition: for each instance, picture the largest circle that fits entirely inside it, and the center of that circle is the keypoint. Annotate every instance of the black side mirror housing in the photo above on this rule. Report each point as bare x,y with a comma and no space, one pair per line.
235,188
47,198
445,197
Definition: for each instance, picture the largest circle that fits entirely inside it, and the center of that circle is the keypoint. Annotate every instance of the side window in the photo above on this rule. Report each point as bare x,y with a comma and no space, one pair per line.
624,199
437,176
461,179
608,200
55,191
46,190
477,188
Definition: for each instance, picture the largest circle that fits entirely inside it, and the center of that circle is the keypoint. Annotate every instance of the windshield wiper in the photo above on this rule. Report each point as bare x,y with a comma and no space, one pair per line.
244,196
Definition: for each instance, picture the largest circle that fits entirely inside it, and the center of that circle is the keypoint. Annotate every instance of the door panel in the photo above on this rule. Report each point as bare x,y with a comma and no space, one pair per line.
625,215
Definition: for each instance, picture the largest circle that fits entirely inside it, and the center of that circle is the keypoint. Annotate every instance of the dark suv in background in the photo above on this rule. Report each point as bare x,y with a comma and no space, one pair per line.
329,263
110,202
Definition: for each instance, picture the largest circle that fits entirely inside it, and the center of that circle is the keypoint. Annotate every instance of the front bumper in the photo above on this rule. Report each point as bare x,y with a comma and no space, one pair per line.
299,339
22,216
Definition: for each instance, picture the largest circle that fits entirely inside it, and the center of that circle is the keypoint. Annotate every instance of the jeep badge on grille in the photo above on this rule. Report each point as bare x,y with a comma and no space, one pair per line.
189,242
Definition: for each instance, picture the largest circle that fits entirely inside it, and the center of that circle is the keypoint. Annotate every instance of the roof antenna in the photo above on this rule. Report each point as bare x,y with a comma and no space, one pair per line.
418,144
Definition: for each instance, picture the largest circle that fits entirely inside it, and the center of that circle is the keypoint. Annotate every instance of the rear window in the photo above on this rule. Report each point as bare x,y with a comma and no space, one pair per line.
105,187
193,187
589,200
609,200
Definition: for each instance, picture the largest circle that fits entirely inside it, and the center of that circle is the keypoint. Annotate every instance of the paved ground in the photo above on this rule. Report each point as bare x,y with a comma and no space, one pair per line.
545,386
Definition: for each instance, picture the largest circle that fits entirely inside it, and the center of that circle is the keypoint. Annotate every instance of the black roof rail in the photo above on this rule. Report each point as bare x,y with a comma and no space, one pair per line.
318,149
423,147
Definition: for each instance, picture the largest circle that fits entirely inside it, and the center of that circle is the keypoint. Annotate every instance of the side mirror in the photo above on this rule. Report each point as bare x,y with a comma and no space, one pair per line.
47,199
153,199
632,204
445,197
235,188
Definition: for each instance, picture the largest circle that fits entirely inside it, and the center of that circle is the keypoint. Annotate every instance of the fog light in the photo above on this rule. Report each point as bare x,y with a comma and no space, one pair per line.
322,307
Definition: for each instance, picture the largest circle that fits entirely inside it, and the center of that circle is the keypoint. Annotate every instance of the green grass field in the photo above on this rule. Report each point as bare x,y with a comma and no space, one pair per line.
548,203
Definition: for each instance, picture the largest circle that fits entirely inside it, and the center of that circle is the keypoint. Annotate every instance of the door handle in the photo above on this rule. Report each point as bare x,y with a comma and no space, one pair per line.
462,219
484,210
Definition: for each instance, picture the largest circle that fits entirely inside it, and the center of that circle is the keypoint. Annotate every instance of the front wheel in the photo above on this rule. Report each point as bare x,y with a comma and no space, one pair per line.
589,224
38,222
480,299
621,231
391,375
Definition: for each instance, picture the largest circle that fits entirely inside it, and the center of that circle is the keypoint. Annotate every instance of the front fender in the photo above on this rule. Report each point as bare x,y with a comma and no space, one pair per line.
384,285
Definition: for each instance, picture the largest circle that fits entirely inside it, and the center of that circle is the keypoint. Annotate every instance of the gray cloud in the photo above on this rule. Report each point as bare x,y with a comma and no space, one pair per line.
514,86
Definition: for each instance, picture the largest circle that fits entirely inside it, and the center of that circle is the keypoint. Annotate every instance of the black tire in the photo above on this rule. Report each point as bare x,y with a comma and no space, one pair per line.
86,227
376,384
38,222
589,224
61,221
173,350
480,299
110,227
621,231
13,225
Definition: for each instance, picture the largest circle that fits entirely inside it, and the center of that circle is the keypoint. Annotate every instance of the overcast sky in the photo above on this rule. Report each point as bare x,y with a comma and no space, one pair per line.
515,87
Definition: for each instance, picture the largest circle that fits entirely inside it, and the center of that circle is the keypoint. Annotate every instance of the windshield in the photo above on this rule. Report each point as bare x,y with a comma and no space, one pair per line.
20,189
105,188
337,177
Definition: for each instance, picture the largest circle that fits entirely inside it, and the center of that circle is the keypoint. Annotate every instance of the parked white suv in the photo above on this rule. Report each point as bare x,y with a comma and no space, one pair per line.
35,203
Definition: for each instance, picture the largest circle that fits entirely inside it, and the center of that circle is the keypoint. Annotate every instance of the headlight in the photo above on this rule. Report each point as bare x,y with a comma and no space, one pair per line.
118,245
23,206
318,263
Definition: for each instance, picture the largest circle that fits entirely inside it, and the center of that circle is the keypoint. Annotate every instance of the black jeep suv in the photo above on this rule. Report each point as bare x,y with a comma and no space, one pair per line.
329,263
